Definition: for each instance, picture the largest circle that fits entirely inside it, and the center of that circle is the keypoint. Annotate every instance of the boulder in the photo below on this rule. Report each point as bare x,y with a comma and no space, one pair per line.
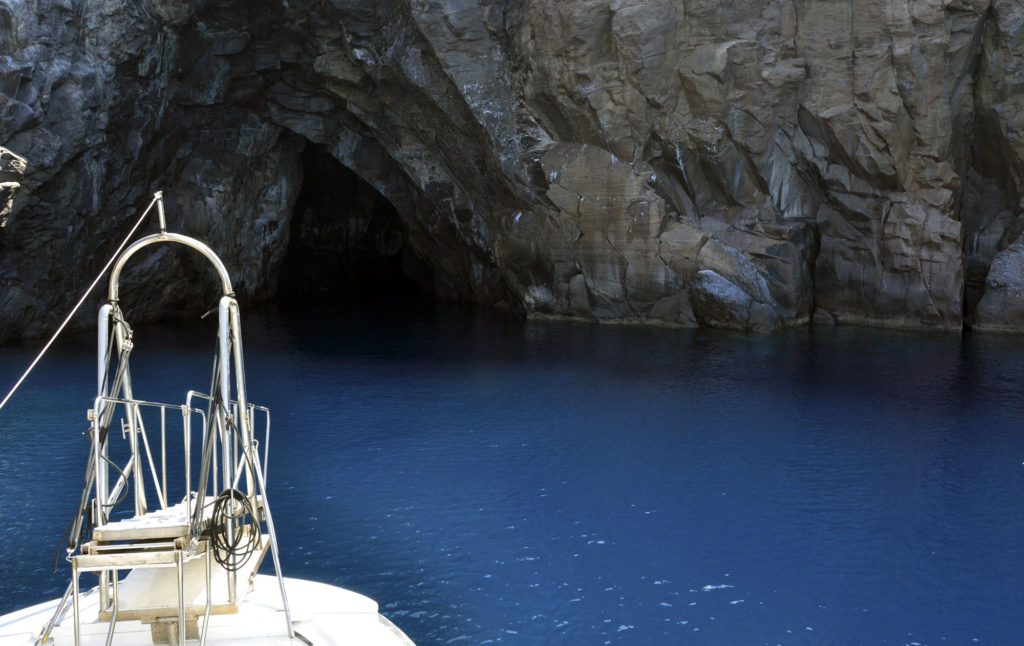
1001,309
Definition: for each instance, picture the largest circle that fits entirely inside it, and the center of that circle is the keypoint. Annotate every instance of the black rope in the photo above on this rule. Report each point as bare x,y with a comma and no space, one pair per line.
124,489
85,529
232,552
60,543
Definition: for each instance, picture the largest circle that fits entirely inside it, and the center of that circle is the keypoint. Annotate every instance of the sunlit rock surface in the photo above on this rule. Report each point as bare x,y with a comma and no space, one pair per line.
736,164
12,168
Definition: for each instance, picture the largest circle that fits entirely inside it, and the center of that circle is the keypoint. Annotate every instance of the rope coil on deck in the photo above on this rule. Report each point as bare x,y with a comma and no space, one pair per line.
233,552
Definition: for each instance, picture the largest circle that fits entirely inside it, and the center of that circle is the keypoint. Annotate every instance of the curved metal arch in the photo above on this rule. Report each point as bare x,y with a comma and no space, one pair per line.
214,259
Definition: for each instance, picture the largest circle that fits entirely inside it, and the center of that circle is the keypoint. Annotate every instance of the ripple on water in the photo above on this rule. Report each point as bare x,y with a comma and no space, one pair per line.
491,482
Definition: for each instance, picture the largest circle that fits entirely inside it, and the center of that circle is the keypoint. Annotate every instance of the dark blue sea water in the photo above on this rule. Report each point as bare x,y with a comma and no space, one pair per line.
489,480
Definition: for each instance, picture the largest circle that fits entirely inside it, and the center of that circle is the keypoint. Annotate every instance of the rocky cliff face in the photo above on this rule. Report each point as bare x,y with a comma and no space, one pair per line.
747,165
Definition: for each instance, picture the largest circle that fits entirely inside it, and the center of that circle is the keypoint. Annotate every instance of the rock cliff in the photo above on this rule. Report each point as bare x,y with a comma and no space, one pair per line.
734,164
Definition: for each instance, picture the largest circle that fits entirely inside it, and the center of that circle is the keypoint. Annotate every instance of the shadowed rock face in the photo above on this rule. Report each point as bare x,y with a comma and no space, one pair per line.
746,165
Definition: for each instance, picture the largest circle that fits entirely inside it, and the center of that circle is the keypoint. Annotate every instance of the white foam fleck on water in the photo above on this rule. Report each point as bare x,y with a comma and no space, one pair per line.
737,601
721,586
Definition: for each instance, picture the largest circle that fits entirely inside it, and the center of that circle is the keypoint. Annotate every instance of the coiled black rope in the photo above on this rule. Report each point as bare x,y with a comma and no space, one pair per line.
232,552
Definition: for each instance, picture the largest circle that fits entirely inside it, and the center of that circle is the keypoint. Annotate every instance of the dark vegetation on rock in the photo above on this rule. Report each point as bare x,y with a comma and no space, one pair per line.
736,164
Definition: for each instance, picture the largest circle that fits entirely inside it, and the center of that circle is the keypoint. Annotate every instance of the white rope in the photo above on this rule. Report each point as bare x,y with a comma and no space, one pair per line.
157,197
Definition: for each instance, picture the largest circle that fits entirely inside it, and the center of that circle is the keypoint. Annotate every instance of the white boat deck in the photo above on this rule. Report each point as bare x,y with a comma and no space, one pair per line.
325,615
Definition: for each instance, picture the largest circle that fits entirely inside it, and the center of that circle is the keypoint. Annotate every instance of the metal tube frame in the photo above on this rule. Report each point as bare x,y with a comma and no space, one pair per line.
230,413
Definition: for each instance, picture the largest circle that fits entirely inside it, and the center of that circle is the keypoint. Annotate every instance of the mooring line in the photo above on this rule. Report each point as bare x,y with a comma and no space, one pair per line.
157,198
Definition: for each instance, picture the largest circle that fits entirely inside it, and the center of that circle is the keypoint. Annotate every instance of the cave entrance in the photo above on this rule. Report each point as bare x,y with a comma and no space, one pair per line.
347,242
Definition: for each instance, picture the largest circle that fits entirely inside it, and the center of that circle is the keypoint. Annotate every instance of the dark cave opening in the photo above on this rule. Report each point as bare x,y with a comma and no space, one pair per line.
347,243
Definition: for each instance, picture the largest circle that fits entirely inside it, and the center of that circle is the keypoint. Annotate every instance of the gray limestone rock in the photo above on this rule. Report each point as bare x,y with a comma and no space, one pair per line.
1002,306
12,169
747,165
718,302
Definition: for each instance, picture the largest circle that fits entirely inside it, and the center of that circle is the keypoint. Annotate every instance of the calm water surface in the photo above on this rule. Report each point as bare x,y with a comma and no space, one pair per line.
494,481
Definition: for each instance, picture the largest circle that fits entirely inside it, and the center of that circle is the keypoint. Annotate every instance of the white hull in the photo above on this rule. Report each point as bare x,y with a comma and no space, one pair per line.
325,615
